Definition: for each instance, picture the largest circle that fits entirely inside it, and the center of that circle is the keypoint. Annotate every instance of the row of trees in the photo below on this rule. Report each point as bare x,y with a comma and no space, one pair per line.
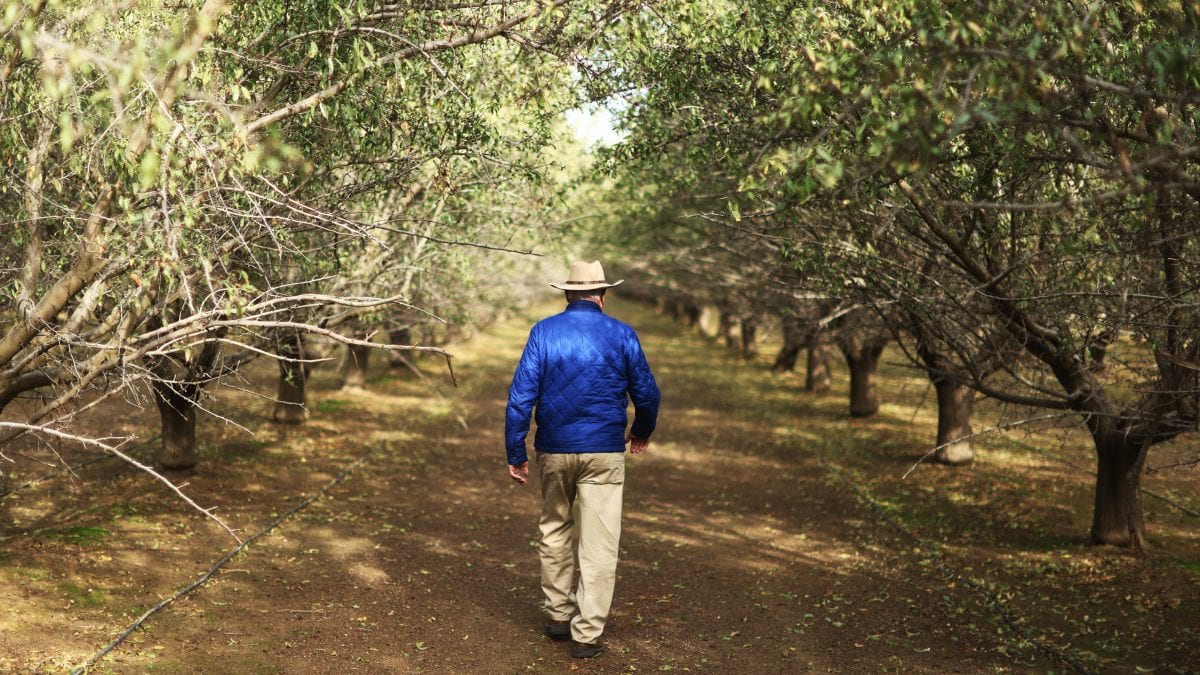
1006,190
186,190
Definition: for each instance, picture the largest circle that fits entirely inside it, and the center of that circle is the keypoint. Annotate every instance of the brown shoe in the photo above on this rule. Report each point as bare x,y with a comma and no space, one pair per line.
584,650
559,631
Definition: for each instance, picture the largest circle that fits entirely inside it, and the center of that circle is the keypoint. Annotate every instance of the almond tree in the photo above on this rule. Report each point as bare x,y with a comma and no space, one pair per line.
1035,160
183,186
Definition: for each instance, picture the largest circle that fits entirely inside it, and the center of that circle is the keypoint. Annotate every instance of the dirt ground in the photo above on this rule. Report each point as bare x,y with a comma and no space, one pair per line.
765,532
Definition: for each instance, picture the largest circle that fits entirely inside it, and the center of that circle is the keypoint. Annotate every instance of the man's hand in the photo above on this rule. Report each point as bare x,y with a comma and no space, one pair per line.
637,445
519,472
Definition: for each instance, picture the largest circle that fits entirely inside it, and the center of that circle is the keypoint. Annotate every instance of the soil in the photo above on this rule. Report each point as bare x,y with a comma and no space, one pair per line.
765,532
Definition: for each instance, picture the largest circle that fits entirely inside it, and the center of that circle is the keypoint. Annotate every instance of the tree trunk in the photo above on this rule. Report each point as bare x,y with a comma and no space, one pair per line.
707,324
691,315
862,361
293,382
178,414
817,378
354,368
725,330
955,402
793,342
400,336
749,337
1117,517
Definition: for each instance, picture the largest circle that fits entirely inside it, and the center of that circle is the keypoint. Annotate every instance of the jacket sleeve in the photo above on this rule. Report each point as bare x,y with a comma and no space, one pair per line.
522,396
643,390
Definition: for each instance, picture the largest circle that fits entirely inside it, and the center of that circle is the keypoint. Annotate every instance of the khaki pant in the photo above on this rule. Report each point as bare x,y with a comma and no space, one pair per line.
594,482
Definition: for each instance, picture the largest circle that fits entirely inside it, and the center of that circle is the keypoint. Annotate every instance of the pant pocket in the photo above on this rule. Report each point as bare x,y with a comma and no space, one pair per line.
605,468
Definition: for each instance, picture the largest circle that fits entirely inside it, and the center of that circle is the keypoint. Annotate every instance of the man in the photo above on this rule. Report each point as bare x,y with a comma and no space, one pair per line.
579,369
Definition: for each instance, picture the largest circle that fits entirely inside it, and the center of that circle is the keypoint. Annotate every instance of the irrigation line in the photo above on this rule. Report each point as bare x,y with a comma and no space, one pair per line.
948,572
212,571
69,469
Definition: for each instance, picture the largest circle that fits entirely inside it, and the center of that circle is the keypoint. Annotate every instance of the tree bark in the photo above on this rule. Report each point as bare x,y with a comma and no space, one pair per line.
863,360
749,337
955,403
955,400
1117,517
354,367
177,411
817,378
793,342
706,324
1098,352
290,405
725,330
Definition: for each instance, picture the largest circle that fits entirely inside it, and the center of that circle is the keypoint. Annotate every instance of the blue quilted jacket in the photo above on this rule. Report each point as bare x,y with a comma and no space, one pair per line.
579,369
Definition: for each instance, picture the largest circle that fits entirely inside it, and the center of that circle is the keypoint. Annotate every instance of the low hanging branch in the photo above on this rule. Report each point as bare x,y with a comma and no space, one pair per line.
208,513
68,469
295,325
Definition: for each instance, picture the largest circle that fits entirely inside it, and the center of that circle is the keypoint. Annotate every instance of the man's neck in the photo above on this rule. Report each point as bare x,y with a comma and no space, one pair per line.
599,302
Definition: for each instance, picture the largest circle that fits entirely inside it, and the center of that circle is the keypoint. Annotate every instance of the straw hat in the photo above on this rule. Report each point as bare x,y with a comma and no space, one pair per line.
586,276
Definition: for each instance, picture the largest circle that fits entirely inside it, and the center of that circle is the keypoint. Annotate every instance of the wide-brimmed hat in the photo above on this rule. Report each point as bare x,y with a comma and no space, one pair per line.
586,276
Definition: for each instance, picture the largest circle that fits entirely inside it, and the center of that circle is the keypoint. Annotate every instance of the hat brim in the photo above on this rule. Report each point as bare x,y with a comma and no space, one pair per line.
585,287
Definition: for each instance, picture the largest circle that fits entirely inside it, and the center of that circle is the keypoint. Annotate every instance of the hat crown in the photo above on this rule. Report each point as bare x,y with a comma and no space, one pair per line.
586,273
586,276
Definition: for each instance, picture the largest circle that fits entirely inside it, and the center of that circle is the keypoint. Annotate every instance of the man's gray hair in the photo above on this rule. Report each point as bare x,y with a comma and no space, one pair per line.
593,294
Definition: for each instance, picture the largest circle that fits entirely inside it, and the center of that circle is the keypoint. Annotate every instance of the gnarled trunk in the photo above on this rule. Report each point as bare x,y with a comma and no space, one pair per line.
293,382
955,402
863,360
177,411
354,367
749,337
793,342
1117,517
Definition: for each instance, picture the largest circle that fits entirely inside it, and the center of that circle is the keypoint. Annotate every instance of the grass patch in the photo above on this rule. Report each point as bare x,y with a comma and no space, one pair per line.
84,597
31,573
1190,566
332,405
80,535
122,510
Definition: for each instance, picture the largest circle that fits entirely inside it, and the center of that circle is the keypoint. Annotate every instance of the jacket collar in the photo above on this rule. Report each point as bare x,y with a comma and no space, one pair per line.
583,306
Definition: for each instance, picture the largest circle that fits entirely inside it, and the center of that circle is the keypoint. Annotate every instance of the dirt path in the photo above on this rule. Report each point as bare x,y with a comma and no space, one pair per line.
742,550
738,554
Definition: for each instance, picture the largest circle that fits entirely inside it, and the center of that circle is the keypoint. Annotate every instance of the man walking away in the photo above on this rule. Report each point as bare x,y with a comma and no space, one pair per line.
579,369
